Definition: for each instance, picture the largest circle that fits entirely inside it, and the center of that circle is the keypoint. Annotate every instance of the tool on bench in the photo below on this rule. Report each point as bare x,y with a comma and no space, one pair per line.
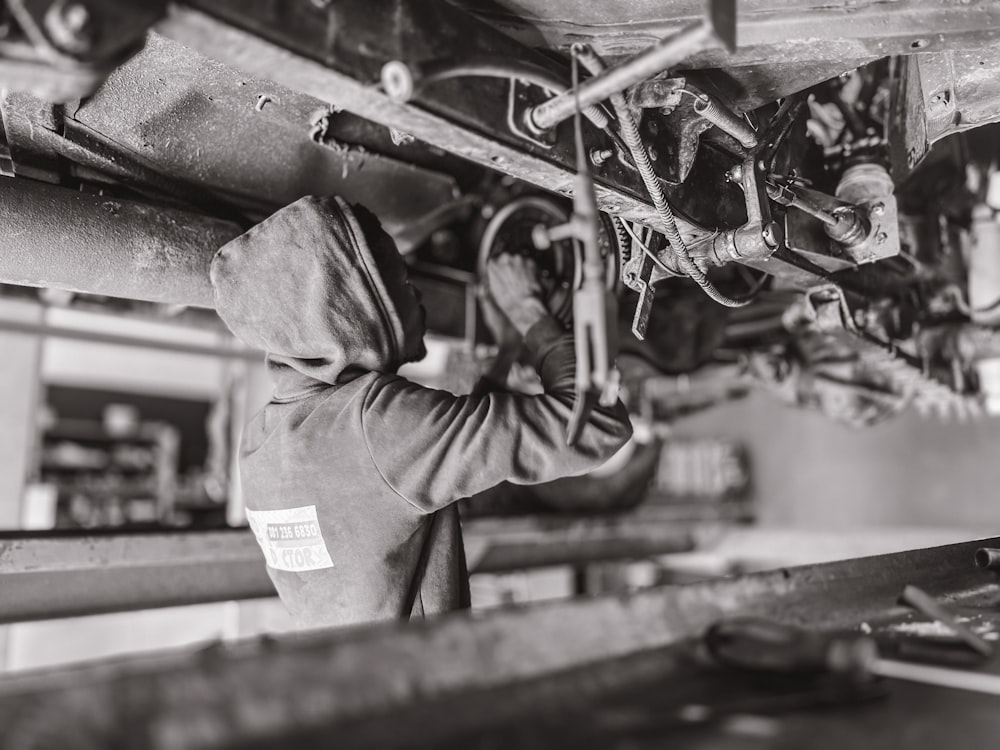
594,306
766,646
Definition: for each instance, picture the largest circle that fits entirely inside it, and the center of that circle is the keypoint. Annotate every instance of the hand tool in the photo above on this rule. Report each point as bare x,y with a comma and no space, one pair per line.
767,646
921,601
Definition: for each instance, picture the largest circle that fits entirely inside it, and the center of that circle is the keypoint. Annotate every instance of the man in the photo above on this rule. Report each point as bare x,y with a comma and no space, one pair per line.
351,472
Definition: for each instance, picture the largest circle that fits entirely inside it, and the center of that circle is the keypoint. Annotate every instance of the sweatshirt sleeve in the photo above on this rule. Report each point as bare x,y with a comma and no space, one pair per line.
434,448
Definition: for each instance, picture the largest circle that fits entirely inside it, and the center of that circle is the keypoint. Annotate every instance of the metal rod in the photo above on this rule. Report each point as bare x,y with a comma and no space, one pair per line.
922,602
223,350
988,558
48,575
664,54
958,679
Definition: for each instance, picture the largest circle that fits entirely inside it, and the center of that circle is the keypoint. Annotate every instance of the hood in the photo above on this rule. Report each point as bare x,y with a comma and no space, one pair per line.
323,291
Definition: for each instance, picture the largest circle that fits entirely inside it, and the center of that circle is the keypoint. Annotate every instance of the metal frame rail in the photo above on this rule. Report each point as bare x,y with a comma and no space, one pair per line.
436,680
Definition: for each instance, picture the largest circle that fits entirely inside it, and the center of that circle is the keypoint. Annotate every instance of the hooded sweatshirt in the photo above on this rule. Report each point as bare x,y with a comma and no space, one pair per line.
351,473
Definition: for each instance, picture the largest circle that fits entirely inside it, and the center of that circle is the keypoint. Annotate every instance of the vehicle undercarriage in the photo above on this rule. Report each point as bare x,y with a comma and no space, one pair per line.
793,196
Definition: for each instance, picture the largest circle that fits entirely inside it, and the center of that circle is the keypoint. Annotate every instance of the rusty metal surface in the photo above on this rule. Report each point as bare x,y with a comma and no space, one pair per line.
960,89
251,141
43,576
768,31
65,239
540,672
465,117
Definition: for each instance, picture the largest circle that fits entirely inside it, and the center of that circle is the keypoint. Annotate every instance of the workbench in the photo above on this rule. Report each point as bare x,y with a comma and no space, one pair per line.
621,672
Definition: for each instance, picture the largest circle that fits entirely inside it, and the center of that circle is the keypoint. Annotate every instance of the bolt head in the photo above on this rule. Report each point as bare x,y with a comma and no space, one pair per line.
771,234
76,16
652,126
735,174
397,80
71,26
653,153
881,237
878,209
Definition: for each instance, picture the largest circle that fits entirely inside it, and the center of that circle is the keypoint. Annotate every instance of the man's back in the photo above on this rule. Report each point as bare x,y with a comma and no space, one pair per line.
342,546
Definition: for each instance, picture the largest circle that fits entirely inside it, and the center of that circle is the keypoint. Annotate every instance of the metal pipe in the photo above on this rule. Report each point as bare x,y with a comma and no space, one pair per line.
223,350
988,558
64,239
48,575
664,54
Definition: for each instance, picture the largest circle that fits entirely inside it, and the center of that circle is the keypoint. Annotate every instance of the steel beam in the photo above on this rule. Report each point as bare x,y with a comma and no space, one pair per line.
324,686
63,239
44,576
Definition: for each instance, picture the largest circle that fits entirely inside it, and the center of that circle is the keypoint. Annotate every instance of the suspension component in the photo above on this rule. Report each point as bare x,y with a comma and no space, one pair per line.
719,25
725,120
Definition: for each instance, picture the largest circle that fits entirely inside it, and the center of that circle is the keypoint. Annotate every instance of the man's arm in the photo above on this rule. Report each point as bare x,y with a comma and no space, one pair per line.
434,448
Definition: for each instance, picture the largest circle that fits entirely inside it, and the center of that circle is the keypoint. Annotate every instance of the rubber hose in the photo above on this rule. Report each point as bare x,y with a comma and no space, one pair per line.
630,134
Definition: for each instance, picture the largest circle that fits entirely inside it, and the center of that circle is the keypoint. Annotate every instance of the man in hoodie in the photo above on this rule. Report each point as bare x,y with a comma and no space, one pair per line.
351,473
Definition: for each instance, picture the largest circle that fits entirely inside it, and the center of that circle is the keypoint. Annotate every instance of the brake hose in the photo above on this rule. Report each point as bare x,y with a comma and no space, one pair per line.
630,134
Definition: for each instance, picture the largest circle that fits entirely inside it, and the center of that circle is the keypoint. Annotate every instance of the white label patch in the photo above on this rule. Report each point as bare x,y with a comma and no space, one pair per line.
290,538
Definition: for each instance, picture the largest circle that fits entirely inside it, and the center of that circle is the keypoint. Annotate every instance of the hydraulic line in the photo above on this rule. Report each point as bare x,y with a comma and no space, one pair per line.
630,134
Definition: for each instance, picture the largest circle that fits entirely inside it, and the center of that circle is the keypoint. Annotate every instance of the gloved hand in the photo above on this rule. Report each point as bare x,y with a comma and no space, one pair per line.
514,285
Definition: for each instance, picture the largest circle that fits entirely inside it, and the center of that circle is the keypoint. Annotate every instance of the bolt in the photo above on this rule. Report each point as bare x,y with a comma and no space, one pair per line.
652,126
653,153
937,98
600,155
397,80
878,209
735,174
71,26
881,237
76,17
771,234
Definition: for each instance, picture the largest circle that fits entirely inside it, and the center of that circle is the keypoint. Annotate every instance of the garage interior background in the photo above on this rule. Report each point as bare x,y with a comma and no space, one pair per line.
124,416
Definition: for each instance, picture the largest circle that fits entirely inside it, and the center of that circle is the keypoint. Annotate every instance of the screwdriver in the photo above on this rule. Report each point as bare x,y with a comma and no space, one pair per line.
764,645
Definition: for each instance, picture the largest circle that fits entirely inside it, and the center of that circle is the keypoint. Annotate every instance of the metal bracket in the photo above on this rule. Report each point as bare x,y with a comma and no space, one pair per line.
520,101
